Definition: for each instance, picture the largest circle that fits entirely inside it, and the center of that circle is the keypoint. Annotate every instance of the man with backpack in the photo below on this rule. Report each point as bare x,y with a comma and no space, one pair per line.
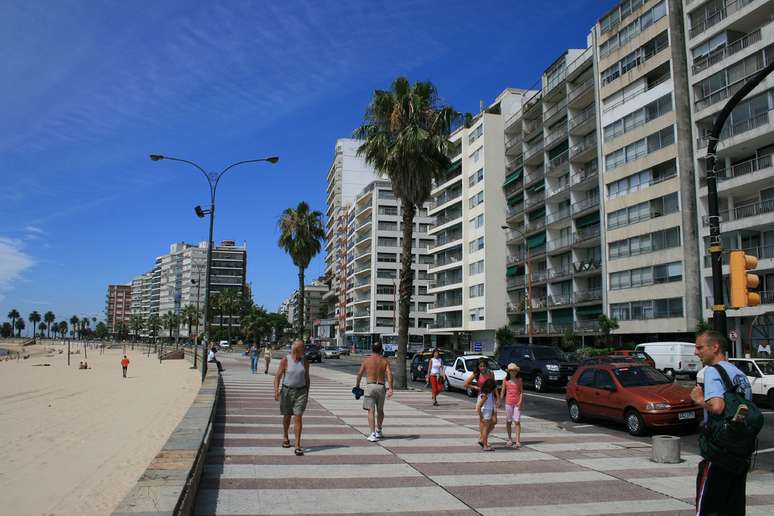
731,425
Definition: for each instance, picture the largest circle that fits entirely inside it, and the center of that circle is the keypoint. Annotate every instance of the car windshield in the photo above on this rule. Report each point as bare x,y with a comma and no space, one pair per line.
639,355
547,354
640,376
766,366
472,364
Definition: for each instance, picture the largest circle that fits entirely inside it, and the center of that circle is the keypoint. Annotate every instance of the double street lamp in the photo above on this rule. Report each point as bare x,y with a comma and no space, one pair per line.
213,179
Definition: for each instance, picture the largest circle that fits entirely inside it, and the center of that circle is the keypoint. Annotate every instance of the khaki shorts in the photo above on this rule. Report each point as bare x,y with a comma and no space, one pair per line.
375,394
293,400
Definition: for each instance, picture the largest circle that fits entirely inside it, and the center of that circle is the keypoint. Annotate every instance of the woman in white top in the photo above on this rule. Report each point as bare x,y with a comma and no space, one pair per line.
434,374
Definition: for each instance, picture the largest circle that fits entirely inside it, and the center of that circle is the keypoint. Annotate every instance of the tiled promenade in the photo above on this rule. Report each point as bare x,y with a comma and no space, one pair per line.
428,463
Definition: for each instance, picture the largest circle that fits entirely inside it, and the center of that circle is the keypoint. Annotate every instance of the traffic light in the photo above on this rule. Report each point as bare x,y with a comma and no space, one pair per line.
742,281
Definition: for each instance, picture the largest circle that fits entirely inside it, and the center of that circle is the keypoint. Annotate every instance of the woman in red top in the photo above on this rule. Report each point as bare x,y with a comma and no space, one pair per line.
512,393
480,375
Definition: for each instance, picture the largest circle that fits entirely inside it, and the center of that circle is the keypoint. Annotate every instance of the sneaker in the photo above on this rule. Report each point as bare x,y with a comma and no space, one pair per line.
373,437
378,433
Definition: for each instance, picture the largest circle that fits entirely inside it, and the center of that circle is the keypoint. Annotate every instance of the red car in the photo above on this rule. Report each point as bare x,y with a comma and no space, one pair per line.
637,395
636,354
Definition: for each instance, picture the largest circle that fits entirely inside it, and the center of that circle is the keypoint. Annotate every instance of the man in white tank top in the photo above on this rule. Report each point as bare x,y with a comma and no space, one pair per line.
291,389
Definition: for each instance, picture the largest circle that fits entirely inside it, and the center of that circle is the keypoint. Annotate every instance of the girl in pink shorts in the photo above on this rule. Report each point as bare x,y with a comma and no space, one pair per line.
512,394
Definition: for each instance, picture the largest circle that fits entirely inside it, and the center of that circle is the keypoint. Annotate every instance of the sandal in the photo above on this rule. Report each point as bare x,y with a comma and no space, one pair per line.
299,452
480,444
489,448
286,444
509,444
518,445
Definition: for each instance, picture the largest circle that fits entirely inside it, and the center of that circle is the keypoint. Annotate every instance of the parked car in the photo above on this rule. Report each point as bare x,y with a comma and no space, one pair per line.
224,344
543,366
312,353
637,354
637,395
609,360
418,366
331,352
672,357
463,366
343,351
760,373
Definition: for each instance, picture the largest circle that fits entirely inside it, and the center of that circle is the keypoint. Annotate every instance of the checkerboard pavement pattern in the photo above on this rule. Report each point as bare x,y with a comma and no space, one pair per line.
428,462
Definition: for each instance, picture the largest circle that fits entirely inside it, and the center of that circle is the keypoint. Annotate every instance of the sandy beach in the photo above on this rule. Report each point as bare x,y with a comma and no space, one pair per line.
75,441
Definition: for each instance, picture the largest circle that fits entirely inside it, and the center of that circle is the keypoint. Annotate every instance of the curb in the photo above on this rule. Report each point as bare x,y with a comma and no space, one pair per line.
169,484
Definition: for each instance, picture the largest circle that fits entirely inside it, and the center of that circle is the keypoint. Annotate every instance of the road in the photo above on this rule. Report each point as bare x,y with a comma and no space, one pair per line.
551,406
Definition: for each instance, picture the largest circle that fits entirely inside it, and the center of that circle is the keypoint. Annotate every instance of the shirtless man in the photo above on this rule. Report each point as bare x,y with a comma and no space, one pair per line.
376,369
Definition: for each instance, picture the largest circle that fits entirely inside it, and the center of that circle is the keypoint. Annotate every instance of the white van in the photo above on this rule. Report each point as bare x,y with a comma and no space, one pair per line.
673,357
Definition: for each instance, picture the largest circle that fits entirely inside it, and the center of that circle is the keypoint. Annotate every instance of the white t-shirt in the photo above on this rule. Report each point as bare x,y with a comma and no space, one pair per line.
435,366
210,355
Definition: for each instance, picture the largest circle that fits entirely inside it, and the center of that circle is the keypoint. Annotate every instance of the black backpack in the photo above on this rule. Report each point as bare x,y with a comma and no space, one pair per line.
726,443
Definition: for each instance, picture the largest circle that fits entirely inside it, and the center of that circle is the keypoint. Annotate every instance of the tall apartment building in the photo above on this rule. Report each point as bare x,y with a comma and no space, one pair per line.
314,307
141,298
469,253
374,242
118,308
727,43
347,175
554,260
650,238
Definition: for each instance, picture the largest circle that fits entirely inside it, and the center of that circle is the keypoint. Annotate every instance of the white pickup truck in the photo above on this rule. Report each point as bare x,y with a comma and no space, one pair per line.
760,373
463,366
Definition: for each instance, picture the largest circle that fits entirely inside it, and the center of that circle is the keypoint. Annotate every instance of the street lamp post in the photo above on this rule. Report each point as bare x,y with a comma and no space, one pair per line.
213,179
529,282
198,283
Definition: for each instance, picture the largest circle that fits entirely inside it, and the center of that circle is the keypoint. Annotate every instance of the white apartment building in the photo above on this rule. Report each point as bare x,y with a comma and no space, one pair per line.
469,252
374,242
347,175
314,308
650,238
728,42
554,262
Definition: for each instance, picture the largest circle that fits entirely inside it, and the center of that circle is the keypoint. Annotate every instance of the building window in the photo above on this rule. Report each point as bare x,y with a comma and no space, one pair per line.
386,273
388,210
477,290
640,117
476,133
642,179
387,257
640,148
645,276
476,267
387,242
644,244
476,155
649,309
386,194
476,199
476,177
477,244
385,290
643,211
476,314
636,58
387,225
385,305
477,221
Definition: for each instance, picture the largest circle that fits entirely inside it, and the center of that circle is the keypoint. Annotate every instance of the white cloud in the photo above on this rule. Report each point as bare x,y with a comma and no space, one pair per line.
13,262
34,229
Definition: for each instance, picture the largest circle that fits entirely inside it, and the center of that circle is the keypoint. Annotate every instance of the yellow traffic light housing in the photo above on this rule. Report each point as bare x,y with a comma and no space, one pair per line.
742,281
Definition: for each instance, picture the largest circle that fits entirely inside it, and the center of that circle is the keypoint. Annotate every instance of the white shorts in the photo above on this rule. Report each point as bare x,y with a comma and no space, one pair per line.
512,413
486,415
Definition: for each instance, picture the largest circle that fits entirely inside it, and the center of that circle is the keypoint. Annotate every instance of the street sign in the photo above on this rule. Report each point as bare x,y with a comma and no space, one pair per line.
477,346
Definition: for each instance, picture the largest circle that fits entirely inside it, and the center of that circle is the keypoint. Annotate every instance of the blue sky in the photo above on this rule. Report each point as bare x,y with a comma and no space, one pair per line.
91,88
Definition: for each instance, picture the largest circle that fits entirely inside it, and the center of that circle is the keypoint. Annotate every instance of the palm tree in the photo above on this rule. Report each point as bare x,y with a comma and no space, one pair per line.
154,323
190,315
75,324
301,234
63,329
34,318
216,305
49,317
406,139
13,315
169,322
230,300
85,325
19,326
136,324
42,327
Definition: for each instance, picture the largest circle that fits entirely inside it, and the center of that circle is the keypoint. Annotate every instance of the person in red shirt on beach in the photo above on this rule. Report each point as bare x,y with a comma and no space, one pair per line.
124,364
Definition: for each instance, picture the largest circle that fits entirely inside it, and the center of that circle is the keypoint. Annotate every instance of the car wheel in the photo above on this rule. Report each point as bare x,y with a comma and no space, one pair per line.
770,398
540,383
448,385
635,425
575,411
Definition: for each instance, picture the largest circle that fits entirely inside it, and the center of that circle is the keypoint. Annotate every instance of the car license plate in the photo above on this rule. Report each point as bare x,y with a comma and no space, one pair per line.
691,366
682,416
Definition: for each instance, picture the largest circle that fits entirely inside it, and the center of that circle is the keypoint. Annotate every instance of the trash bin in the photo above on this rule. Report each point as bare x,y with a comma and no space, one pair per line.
666,449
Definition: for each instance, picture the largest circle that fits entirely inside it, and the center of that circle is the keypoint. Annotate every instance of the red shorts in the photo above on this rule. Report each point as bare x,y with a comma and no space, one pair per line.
436,384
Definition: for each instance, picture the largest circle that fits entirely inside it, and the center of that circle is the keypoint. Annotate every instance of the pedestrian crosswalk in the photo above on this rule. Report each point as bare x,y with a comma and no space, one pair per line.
428,462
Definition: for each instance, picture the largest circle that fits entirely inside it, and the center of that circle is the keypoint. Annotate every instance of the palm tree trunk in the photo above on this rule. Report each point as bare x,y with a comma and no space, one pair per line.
406,289
301,299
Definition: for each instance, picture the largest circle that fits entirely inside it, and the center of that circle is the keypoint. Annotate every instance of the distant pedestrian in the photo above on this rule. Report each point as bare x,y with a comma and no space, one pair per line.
266,358
718,489
487,412
435,375
253,352
291,389
480,375
512,393
377,370
124,364
764,350
211,359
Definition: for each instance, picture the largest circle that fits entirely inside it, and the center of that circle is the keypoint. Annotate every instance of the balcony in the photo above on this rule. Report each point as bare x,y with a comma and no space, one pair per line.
514,210
581,150
559,300
762,253
737,129
537,251
531,128
587,326
767,298
448,217
746,211
535,225
555,136
557,109
515,282
529,107
587,296
585,204
515,308
447,237
562,187
517,258
557,161
535,200
587,233
721,53
580,90
445,197
533,150
513,145
726,92
561,243
727,10
558,216
585,175
559,274
582,121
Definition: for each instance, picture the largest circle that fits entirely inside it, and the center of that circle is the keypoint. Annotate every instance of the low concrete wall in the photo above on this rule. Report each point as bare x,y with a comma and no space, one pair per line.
168,486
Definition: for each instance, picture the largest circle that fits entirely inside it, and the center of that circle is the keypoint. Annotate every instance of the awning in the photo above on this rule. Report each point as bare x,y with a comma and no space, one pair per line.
538,213
513,270
589,310
562,316
516,198
587,220
513,176
536,240
540,317
537,187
